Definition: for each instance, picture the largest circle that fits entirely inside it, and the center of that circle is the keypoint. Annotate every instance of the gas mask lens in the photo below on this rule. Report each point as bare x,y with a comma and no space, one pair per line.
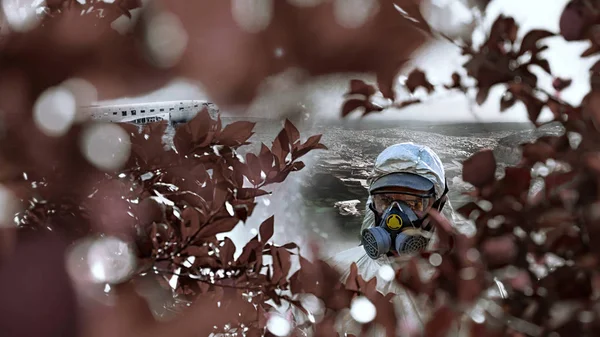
418,204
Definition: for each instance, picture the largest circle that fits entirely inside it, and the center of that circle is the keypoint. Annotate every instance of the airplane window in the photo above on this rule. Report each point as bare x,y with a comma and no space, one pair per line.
133,112
143,111
115,113
171,109
151,110
162,109
123,113
180,108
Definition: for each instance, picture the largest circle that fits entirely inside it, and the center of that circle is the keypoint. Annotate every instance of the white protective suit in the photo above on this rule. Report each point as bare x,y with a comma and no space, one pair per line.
413,313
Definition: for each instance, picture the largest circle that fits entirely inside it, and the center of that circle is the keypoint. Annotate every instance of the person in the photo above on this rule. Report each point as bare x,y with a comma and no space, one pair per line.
407,181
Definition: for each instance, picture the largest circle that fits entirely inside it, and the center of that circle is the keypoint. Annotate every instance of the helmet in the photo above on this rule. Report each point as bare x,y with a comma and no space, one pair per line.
408,165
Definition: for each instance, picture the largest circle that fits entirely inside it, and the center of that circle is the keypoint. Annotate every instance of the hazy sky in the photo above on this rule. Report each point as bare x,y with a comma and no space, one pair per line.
323,97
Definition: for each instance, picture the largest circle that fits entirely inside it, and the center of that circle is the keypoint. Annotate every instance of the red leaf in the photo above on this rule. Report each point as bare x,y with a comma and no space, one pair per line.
351,105
482,95
191,222
219,197
542,63
292,131
312,141
285,260
290,245
417,78
556,179
480,168
499,251
266,229
408,276
222,225
253,246
200,125
297,166
236,133
503,29
406,103
254,168
281,148
351,282
537,152
266,159
440,326
456,83
278,273
183,139
559,84
250,193
507,100
358,87
227,251
531,39
469,208
516,181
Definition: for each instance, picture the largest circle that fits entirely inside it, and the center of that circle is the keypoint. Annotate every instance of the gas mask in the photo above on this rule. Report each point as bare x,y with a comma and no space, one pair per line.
398,229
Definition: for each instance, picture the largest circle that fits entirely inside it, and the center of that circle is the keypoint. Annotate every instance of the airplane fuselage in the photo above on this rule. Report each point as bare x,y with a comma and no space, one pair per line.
143,113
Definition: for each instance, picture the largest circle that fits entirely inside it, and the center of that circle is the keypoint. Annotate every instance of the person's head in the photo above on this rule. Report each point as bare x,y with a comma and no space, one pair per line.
407,181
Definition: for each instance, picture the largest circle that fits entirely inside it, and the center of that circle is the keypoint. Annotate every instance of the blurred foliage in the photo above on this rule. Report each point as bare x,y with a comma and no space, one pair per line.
171,203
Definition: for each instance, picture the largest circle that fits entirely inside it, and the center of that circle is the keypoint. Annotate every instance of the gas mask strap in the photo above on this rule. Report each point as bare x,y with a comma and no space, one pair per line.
441,201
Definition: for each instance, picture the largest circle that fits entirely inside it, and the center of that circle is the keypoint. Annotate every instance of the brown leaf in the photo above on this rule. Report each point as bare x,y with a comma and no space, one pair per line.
292,131
530,41
359,87
406,103
499,251
574,20
480,168
351,105
456,83
266,229
252,247
281,148
559,84
220,194
516,181
482,95
254,168
312,143
222,225
191,222
227,251
542,64
266,158
409,277
507,100
440,326
537,152
351,280
183,139
469,208
503,29
199,126
285,260
236,133
417,78
297,166
250,193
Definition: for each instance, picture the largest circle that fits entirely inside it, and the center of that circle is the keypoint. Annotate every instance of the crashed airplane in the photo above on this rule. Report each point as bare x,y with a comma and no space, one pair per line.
142,113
